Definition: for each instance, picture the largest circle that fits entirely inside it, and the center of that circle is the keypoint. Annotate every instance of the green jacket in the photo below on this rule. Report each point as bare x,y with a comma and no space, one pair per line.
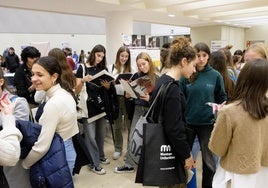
208,87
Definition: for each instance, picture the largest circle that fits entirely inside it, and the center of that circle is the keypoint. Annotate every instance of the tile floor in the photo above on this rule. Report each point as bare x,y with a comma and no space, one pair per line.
88,179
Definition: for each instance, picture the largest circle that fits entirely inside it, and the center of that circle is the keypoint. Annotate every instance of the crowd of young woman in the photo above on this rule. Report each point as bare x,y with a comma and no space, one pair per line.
200,78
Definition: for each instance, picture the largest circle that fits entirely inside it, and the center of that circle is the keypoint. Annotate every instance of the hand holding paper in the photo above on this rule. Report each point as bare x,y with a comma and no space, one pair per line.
98,78
124,76
138,88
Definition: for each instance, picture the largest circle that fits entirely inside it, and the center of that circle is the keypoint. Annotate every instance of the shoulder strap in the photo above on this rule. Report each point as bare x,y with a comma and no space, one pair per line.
112,68
153,103
160,100
84,69
162,91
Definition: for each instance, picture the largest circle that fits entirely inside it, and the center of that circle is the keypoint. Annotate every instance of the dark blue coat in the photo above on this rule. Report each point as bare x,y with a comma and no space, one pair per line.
52,170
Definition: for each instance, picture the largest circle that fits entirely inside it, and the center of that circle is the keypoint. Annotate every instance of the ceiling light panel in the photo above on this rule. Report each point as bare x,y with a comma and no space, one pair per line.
208,3
222,8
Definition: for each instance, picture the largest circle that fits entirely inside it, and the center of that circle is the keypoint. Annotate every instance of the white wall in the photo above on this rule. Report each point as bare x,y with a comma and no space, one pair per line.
141,28
29,21
257,33
167,30
77,41
20,27
234,36
205,34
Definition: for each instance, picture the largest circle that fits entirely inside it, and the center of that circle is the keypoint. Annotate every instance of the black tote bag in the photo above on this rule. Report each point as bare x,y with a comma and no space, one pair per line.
158,166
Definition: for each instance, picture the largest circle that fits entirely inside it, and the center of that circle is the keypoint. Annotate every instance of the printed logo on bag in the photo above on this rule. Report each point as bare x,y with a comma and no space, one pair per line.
165,148
136,147
166,153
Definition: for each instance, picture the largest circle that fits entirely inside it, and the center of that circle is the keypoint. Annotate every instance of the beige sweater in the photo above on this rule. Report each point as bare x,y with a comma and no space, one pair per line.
10,138
240,140
59,116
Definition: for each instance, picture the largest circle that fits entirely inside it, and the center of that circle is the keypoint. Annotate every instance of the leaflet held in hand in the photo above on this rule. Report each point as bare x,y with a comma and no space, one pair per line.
124,76
101,76
138,87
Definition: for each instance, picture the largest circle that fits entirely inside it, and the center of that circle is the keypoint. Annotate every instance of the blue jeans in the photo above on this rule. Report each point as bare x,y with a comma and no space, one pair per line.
70,154
195,148
94,139
209,160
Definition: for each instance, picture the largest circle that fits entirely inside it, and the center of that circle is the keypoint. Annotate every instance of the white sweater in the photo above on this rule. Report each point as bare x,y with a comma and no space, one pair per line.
59,116
10,138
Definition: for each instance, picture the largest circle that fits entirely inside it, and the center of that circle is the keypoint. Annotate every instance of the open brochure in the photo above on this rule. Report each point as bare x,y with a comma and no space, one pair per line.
138,87
100,76
124,76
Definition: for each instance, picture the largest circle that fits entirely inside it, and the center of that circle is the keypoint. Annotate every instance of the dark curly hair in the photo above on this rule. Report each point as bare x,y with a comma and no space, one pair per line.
31,52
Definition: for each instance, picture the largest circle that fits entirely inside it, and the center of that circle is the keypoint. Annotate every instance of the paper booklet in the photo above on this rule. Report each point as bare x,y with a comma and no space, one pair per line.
138,87
102,75
124,76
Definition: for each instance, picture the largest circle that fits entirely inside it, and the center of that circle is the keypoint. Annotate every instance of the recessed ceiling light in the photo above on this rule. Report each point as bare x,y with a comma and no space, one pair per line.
171,15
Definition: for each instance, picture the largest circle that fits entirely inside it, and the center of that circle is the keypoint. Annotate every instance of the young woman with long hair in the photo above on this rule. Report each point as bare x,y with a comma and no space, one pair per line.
122,65
205,85
145,68
239,137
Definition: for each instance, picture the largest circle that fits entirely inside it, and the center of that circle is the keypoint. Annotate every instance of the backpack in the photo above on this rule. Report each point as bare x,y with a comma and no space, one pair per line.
95,101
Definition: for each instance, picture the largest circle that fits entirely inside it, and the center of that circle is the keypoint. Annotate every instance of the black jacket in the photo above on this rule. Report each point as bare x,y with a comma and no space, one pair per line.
173,117
22,81
12,62
99,98
82,154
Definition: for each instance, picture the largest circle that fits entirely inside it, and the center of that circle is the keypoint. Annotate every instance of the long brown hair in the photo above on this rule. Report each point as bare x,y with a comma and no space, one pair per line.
127,65
218,61
91,59
152,70
164,52
51,65
201,46
252,88
229,58
67,74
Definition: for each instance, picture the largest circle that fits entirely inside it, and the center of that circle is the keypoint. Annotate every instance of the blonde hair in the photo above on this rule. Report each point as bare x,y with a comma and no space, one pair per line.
152,70
260,48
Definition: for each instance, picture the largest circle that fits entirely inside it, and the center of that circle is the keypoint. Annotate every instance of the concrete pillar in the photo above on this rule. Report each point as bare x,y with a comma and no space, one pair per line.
117,23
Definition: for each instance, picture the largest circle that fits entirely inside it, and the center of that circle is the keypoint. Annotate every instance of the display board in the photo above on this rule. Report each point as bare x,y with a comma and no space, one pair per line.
217,44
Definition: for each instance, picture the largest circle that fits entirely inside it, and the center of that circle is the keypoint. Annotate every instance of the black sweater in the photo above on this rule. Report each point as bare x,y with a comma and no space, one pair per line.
173,117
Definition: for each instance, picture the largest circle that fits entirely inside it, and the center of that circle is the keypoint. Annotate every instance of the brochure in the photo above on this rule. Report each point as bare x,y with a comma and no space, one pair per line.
124,76
100,76
138,87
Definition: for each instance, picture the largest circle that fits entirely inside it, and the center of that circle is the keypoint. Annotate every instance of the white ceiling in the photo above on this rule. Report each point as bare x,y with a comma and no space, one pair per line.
188,13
